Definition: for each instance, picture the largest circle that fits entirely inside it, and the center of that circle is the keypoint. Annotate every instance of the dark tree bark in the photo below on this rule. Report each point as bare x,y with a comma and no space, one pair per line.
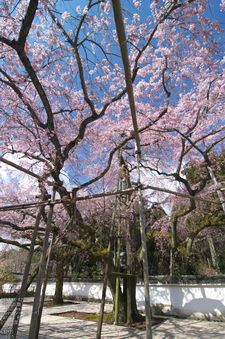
58,297
122,317
136,316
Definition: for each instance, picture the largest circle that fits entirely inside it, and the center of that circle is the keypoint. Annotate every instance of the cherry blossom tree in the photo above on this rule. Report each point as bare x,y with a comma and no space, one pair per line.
191,222
64,99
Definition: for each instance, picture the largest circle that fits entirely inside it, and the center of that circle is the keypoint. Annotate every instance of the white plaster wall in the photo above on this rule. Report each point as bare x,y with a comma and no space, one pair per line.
10,288
81,289
177,299
186,299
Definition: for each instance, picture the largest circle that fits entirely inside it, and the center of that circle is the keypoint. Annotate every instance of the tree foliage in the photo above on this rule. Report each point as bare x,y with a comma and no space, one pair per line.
65,116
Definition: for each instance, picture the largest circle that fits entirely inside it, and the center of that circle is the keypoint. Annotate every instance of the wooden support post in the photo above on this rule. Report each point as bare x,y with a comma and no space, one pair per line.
218,189
105,194
99,329
116,322
44,287
25,276
128,249
12,306
35,311
118,17
144,253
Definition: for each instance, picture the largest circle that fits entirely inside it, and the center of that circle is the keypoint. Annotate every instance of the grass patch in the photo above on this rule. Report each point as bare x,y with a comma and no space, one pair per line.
95,317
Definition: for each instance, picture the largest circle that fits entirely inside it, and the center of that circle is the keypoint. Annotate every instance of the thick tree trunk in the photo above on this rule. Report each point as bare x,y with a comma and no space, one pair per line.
58,297
213,254
136,316
131,280
122,307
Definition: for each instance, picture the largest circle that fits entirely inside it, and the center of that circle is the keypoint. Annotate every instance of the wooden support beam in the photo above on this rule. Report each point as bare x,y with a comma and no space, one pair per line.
107,194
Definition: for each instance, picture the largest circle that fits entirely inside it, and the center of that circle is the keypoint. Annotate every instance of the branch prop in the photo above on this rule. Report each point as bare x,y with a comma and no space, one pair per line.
44,286
118,17
34,317
14,303
99,330
25,276
22,169
217,186
209,168
107,194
